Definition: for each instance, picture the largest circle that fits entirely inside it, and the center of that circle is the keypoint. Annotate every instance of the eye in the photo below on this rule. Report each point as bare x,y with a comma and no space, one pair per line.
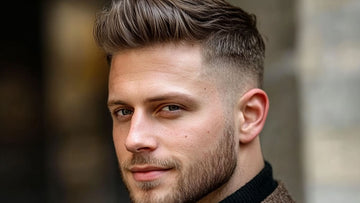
170,111
171,108
124,112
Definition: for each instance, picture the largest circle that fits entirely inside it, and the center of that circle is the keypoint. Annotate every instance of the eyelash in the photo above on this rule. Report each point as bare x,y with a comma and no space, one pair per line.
125,113
172,105
119,114
128,111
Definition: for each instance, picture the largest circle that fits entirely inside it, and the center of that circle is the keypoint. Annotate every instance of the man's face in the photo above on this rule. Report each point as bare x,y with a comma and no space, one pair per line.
170,133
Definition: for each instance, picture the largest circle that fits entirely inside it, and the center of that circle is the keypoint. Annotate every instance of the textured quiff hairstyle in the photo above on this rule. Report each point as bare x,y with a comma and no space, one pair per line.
228,35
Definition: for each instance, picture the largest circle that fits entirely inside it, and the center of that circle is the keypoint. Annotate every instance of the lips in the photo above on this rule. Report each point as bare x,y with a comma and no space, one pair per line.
148,173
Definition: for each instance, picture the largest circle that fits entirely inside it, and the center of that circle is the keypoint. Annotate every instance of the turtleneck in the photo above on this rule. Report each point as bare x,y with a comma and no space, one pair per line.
256,190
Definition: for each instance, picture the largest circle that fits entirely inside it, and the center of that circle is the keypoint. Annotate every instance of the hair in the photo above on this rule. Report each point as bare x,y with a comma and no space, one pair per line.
227,34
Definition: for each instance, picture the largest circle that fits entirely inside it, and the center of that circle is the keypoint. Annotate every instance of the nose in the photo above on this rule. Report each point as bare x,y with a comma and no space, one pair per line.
141,136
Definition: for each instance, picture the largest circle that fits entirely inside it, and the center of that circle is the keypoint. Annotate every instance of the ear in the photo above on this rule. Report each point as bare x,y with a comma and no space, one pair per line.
252,110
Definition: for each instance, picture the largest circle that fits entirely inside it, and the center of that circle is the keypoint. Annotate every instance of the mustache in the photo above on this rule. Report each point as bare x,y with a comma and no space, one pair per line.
147,159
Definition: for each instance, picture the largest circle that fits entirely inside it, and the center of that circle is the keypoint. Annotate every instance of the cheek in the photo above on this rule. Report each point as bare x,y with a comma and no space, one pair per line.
199,136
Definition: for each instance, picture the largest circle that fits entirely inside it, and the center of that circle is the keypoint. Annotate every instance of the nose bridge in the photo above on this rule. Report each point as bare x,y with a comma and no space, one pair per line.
141,136
138,122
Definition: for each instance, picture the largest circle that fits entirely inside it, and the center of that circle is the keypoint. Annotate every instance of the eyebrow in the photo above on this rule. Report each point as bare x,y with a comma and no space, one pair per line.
115,103
168,96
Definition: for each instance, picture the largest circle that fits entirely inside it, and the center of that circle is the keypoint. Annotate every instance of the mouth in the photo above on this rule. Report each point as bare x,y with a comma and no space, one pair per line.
148,173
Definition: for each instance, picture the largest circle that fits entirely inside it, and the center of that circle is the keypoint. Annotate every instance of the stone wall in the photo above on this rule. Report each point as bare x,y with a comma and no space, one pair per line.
329,66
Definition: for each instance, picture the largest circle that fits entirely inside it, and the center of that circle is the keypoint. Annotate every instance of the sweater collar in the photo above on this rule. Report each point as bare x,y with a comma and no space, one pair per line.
256,190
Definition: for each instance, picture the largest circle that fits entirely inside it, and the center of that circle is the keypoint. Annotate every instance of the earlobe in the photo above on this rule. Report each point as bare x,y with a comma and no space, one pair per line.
252,109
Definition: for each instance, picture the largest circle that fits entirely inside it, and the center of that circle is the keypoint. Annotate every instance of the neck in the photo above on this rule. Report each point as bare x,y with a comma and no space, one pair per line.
249,163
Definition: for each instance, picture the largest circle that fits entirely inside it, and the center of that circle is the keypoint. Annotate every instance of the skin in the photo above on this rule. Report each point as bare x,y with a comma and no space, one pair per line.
170,126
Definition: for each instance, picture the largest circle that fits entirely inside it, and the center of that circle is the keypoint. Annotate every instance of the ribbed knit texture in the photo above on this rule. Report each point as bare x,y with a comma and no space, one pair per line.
256,190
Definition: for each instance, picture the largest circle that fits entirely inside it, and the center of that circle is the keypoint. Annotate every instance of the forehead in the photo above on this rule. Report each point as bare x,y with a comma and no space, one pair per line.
157,69
180,58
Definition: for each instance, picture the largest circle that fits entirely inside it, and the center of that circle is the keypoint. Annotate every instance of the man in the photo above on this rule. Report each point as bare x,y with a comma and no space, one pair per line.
186,103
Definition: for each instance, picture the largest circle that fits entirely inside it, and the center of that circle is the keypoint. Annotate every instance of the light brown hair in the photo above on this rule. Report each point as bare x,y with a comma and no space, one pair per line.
227,34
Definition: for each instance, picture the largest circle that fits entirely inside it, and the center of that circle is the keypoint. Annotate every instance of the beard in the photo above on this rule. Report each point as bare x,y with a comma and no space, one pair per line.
206,174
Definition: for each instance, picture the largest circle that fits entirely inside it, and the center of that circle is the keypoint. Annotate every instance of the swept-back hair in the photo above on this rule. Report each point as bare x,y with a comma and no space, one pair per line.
226,33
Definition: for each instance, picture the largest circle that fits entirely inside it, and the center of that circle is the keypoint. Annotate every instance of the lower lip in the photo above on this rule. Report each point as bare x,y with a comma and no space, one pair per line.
148,175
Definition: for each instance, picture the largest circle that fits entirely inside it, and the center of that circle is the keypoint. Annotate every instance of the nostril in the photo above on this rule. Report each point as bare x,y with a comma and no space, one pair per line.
142,149
135,149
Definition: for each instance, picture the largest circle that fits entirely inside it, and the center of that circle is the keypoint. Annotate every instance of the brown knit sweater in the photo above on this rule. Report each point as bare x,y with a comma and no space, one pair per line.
280,195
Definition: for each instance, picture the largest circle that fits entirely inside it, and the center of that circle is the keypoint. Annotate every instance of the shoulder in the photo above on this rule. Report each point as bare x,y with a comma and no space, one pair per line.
280,195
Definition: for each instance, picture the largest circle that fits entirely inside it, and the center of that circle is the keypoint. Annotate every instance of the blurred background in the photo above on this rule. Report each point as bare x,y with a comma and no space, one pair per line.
55,130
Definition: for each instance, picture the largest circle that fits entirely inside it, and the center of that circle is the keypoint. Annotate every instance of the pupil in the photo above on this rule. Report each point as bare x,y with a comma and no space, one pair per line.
173,108
126,111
